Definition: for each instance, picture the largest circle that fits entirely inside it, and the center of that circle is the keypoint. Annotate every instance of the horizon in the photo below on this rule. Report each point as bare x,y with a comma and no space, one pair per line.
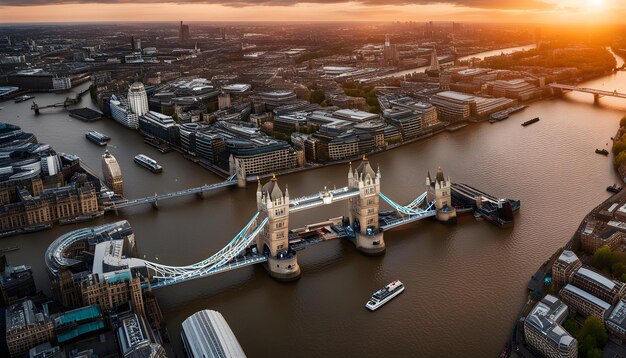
597,12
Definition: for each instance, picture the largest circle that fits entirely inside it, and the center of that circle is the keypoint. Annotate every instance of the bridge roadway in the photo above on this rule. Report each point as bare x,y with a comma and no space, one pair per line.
156,198
595,92
322,198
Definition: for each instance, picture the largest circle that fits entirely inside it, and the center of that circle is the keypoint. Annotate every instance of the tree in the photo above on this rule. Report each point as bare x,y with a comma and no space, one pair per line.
571,326
602,258
622,122
592,337
317,96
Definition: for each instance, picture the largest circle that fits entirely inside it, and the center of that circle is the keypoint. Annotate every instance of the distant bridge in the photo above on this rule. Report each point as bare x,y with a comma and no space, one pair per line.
595,92
154,200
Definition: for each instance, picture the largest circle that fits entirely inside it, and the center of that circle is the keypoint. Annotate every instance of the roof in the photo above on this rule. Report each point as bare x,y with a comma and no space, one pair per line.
546,316
568,256
365,169
78,315
207,334
594,276
618,315
587,296
272,188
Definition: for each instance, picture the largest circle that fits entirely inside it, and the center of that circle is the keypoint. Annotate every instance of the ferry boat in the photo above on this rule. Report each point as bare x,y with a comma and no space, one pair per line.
614,188
97,137
529,122
23,98
385,295
602,151
148,163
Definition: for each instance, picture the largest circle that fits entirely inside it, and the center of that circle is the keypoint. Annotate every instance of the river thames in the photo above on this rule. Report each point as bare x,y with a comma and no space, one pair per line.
464,283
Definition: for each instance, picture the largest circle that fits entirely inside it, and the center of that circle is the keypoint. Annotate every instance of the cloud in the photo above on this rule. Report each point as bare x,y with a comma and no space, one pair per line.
481,4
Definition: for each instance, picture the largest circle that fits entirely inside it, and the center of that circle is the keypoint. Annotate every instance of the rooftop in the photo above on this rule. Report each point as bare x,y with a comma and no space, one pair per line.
587,296
596,277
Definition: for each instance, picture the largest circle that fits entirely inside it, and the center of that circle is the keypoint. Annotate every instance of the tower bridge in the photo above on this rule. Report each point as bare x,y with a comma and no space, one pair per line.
266,239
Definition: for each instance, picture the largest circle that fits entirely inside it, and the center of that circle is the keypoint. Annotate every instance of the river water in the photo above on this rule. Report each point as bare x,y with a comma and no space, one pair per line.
464,283
480,56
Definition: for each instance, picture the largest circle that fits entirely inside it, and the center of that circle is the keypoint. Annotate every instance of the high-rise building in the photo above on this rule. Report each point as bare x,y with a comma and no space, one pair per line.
207,334
434,61
137,99
122,114
112,173
183,32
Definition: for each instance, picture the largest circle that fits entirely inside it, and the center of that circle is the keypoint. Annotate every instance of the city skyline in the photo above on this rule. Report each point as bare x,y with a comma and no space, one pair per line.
539,11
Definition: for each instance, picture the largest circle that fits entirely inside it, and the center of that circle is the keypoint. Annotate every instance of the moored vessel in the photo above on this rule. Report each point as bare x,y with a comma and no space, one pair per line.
385,295
23,98
614,188
531,121
602,151
148,163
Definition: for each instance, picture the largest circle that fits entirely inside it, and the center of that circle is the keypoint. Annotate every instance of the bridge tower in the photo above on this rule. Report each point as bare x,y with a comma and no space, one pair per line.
273,241
363,213
440,191
239,169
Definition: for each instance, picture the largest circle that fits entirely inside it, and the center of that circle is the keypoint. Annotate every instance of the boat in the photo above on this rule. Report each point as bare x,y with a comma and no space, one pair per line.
23,98
385,295
602,151
502,115
614,188
97,137
81,218
531,121
148,163
9,249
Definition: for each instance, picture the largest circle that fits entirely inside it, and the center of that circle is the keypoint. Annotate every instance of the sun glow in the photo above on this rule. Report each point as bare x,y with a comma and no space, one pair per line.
596,4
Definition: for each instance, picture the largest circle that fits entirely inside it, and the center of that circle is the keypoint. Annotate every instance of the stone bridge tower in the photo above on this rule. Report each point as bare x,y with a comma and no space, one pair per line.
273,241
440,191
363,213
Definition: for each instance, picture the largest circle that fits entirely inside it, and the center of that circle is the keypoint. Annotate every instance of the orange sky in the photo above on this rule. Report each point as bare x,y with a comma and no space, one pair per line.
547,11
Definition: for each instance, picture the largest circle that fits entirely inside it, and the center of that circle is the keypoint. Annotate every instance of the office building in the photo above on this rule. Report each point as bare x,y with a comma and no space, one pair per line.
122,113
112,173
452,106
16,282
61,83
135,338
564,268
616,321
584,302
137,99
160,126
206,334
515,89
543,330
26,327
604,288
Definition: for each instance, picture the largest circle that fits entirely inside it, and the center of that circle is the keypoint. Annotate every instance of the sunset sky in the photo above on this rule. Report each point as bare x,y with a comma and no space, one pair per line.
540,11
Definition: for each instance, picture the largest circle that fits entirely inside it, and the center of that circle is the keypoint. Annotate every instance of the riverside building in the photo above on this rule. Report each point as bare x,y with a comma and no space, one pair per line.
137,99
543,330
584,302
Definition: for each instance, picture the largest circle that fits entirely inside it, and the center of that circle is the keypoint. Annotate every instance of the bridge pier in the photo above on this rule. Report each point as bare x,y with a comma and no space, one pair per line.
273,242
155,203
596,98
363,214
200,194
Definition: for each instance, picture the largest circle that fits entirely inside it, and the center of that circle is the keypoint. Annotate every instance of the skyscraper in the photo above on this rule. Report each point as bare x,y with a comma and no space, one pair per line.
137,99
183,32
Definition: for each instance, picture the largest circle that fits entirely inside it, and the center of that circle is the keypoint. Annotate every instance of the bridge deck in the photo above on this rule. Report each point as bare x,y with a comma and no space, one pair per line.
322,198
588,90
176,194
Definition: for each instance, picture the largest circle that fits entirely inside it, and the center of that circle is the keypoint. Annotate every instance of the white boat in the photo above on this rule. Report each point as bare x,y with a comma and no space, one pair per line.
148,163
385,295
